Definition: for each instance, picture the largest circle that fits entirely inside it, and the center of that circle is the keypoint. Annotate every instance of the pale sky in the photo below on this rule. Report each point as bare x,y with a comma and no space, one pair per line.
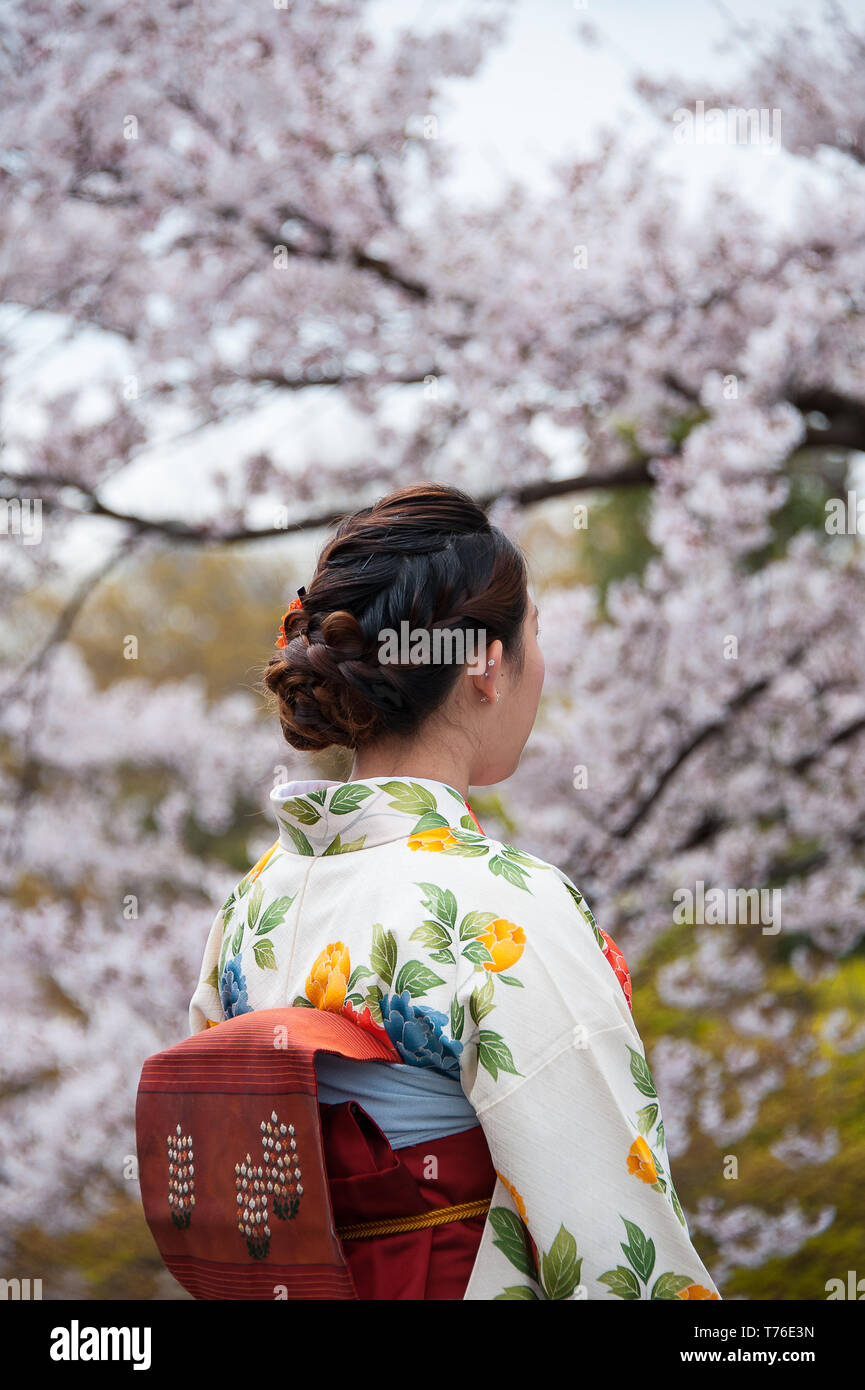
543,92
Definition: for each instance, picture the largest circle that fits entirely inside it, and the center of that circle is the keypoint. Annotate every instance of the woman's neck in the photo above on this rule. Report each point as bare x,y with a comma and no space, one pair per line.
441,764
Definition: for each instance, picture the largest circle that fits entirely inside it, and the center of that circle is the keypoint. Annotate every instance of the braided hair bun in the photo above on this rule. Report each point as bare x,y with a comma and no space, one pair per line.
426,555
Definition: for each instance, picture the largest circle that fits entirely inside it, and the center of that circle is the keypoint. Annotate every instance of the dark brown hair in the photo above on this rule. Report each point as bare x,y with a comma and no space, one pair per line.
426,555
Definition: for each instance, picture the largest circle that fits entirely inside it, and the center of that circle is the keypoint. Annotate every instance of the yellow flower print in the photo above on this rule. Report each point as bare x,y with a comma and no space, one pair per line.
641,1163
262,863
518,1201
697,1291
213,1023
505,942
327,981
436,839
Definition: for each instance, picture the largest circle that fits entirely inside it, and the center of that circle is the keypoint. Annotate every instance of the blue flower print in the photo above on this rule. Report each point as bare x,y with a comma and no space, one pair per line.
416,1033
232,990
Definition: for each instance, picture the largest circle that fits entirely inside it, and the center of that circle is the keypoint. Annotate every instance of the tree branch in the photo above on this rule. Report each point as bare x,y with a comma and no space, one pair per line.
744,698
65,620
636,475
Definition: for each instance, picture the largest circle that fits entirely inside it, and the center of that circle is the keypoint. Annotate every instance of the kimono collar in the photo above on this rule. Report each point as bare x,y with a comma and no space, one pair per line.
322,817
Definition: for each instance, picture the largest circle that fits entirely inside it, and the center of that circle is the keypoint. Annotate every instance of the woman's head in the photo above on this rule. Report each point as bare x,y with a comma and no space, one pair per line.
356,670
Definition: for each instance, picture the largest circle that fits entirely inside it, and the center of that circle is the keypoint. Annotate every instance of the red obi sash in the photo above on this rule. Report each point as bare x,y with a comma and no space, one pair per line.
245,1179
370,1182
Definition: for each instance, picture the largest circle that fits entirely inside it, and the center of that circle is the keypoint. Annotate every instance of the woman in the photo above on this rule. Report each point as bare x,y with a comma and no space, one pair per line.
522,1078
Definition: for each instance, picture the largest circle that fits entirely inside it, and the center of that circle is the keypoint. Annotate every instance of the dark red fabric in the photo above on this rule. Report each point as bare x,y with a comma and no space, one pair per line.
203,1111
370,1181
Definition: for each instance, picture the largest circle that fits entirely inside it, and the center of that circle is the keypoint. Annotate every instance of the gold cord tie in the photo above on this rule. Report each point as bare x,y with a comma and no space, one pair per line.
364,1230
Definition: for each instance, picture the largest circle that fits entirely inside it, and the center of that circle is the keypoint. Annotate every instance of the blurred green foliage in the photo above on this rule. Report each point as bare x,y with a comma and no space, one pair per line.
809,1103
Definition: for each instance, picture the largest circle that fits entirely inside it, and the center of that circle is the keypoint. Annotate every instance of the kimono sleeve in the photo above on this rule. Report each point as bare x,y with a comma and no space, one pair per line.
584,1206
205,1006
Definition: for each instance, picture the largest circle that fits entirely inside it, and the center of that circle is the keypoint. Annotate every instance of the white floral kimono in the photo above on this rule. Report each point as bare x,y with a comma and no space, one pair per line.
382,899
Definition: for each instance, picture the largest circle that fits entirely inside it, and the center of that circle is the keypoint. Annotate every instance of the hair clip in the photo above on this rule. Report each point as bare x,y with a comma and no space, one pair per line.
282,640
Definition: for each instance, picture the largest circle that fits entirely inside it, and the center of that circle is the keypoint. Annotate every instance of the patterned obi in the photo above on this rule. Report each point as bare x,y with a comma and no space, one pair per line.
252,1189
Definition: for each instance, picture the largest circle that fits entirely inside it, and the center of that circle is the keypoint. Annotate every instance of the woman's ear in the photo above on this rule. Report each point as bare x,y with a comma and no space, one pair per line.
483,685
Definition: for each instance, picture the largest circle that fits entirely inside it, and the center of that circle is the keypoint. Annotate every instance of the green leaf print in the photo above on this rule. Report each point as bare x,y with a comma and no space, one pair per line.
467,823
641,1074
441,902
512,872
574,892
443,957
318,795
677,1206
348,798
494,1054
265,958
336,845
640,1252
458,1018
560,1265
481,1001
455,794
477,953
417,978
238,938
469,836
255,900
669,1286
512,1240
213,979
373,1002
474,923
470,851
511,980
360,972
228,909
410,798
274,915
301,842
646,1118
560,1268
431,934
585,910
300,1002
431,820
622,1281
382,957
519,856
301,810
